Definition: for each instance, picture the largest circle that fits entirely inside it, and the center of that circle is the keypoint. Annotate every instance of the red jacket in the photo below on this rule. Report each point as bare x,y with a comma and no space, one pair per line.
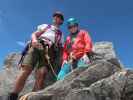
82,44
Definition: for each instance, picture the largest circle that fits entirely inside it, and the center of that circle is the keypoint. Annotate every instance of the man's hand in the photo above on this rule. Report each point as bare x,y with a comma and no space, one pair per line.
36,44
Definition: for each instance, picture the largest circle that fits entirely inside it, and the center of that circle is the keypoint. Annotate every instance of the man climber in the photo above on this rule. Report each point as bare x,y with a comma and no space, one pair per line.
39,54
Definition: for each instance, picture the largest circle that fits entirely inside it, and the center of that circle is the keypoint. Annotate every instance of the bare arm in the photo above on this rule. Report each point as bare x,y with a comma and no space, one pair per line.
34,38
36,34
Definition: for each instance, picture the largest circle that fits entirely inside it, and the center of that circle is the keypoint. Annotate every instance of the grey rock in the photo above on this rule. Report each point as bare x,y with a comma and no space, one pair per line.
105,48
9,73
104,79
115,87
118,86
85,78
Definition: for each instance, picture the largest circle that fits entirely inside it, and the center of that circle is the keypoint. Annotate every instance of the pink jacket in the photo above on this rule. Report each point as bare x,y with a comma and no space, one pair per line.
81,45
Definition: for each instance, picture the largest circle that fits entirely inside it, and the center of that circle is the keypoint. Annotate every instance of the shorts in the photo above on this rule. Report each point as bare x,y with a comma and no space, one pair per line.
35,58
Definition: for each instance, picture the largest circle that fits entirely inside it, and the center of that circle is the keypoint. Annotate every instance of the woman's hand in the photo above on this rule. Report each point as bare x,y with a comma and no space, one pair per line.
72,56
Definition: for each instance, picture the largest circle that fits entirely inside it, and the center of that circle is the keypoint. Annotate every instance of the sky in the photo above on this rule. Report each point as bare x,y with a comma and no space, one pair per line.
106,20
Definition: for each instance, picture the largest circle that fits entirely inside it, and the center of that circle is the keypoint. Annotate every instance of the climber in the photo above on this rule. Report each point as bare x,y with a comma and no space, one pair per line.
76,48
41,51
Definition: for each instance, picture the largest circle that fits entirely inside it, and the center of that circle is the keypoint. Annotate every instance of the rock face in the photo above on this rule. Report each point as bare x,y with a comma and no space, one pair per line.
104,79
8,75
116,87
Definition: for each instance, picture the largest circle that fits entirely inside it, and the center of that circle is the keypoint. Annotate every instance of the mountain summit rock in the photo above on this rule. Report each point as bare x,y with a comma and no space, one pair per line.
104,79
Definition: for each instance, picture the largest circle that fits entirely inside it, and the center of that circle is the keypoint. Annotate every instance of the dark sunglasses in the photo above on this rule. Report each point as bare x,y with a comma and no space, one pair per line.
69,27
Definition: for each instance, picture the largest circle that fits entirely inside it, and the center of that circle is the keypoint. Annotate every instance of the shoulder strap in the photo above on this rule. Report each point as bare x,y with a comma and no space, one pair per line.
58,36
48,27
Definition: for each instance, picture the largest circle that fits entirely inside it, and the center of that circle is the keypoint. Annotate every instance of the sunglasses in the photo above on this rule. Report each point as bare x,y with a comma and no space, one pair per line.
69,27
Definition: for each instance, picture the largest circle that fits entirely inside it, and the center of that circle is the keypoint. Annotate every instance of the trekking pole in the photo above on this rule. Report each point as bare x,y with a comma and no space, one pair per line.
23,53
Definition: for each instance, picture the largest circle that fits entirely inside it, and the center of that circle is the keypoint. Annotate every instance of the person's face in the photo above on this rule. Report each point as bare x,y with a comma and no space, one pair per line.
73,29
57,20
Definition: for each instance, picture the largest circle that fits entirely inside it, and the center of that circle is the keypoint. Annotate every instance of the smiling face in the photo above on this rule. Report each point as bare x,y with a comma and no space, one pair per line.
73,28
57,20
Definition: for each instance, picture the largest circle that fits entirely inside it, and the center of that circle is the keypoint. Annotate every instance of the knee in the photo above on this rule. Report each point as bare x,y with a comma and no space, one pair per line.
40,76
40,79
66,68
64,71
61,75
26,71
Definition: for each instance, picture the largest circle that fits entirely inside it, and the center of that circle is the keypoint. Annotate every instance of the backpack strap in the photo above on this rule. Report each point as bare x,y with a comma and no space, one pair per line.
48,27
58,36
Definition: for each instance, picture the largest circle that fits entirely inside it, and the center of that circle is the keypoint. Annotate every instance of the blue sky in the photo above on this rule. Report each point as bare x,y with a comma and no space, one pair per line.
106,20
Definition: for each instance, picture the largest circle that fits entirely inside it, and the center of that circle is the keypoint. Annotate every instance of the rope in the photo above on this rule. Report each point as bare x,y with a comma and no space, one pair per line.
48,60
52,69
